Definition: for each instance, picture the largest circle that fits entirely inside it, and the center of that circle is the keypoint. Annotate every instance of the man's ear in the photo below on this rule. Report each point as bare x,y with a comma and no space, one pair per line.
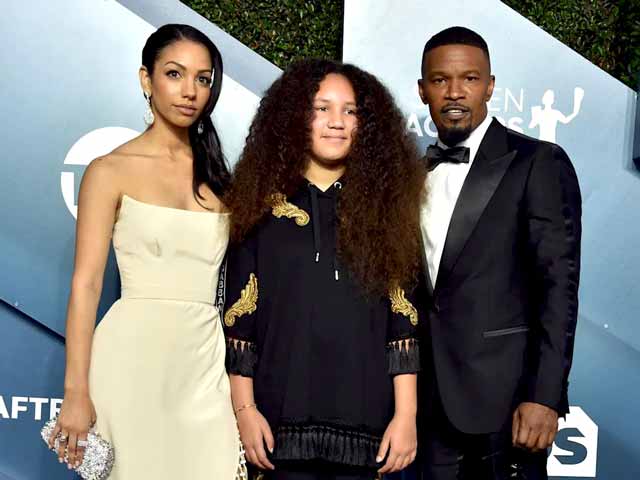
492,83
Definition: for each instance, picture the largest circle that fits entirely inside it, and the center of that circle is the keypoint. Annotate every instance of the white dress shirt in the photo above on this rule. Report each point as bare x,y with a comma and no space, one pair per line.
443,188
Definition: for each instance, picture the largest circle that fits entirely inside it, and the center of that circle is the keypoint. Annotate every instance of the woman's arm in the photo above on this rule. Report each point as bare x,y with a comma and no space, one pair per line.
254,428
240,316
97,203
405,393
401,438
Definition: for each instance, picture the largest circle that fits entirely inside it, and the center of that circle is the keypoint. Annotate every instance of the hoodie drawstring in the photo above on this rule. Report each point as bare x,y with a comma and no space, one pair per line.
336,264
315,225
315,221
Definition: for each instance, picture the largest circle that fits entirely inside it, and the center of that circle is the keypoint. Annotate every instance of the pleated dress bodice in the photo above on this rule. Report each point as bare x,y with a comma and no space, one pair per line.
168,253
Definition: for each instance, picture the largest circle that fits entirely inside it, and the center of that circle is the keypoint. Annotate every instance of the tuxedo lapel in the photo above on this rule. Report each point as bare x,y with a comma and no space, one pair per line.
485,174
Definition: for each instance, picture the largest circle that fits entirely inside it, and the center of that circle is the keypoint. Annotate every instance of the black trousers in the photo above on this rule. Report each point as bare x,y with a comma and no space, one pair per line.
312,470
448,454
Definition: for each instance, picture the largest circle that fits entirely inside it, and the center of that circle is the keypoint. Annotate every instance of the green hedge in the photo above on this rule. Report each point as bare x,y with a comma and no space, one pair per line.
280,30
605,32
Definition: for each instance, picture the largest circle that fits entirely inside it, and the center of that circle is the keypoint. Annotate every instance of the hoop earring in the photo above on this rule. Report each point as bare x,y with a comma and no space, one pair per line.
200,127
149,117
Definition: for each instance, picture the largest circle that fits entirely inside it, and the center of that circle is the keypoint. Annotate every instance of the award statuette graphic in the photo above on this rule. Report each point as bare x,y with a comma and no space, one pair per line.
546,118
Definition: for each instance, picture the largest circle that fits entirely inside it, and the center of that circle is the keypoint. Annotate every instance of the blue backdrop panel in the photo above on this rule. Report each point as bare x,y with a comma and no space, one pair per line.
546,90
70,92
30,391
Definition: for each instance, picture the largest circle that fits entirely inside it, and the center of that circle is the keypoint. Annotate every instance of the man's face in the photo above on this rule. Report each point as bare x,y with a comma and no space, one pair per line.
456,84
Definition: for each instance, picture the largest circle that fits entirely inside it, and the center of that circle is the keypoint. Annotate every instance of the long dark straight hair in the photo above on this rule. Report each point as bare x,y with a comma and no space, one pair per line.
209,165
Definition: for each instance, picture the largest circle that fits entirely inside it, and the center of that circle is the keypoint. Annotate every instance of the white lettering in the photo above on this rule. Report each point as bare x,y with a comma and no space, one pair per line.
432,132
38,402
16,408
413,125
55,407
519,105
23,404
515,124
575,450
4,413
92,145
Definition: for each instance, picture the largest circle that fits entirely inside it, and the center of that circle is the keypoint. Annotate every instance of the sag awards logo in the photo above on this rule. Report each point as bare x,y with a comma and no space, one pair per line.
93,144
575,450
508,106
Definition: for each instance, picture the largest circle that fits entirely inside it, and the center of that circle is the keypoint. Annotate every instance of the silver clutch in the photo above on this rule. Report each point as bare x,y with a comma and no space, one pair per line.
99,454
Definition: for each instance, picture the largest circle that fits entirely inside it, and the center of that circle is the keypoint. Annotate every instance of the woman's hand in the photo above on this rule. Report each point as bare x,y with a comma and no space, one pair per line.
97,203
401,441
254,433
77,415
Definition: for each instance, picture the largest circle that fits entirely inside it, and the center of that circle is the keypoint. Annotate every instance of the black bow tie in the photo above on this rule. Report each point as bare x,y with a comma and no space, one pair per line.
437,155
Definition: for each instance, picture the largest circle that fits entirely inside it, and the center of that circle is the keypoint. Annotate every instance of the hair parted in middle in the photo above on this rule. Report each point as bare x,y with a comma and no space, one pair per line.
379,207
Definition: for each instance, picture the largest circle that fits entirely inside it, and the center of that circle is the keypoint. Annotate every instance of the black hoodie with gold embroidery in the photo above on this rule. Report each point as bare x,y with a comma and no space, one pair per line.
322,355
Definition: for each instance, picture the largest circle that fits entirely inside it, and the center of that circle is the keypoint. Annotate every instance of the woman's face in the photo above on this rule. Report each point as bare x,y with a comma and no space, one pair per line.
181,82
334,122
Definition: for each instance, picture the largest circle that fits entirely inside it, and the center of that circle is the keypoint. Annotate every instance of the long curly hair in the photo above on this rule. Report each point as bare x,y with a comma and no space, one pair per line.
378,210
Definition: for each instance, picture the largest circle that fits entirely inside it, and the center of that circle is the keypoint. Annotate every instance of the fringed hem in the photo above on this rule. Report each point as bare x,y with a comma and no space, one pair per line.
332,444
403,356
241,472
241,357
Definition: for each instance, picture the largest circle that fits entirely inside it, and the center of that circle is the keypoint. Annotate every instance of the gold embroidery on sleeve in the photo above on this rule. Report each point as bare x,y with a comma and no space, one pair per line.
246,304
400,304
282,208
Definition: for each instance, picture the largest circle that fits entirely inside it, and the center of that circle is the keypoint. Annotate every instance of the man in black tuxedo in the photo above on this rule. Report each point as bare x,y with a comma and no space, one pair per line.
501,233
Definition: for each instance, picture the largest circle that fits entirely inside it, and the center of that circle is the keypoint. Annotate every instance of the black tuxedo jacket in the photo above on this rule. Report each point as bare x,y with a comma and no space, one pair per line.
502,314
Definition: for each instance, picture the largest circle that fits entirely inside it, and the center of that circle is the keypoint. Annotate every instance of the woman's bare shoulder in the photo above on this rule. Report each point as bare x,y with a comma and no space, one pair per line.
121,162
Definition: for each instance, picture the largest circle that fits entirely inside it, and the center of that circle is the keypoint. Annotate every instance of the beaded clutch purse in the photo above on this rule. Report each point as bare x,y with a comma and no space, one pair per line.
98,454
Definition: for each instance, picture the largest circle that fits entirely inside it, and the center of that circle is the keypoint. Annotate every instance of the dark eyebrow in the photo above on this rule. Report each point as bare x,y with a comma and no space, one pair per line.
204,70
176,63
326,100
447,74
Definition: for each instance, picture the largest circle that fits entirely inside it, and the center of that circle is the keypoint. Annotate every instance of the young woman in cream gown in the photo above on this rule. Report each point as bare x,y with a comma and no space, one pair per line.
152,374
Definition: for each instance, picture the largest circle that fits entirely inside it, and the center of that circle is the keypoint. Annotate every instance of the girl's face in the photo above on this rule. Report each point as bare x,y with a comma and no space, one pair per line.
334,123
181,82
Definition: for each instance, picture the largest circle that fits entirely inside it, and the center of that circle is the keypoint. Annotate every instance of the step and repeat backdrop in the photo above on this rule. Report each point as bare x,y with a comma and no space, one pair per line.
547,91
70,92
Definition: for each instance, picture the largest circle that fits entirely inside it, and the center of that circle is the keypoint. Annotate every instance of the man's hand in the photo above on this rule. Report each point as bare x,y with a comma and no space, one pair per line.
534,426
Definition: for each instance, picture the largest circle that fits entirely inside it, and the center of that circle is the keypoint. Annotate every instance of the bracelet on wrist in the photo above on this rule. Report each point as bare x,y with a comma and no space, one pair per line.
244,407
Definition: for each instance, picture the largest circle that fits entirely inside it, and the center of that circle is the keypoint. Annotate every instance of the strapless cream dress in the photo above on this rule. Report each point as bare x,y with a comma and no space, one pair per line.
157,375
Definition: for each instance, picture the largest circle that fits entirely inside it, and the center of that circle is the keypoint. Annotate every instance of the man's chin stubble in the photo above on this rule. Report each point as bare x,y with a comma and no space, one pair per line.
452,136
